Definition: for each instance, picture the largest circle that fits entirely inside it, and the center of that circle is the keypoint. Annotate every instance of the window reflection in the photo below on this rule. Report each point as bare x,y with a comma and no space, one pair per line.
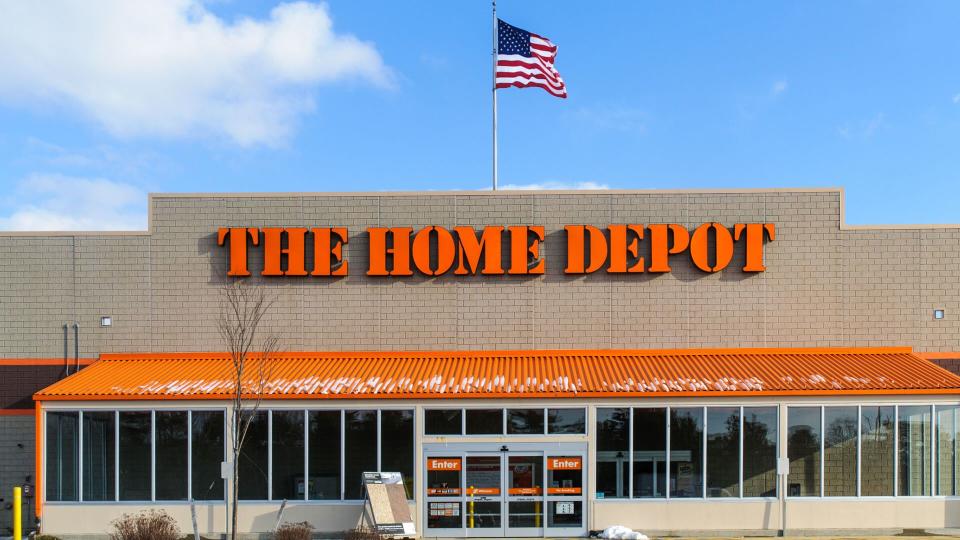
135,462
686,452
914,443
948,424
876,450
723,452
840,452
760,451
803,450
613,447
649,452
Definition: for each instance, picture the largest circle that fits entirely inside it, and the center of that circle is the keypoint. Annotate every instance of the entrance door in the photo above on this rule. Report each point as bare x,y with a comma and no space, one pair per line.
565,495
484,493
525,494
445,495
489,493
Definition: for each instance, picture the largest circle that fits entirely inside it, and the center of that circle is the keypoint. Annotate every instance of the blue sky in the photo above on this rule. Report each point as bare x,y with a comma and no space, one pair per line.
99,108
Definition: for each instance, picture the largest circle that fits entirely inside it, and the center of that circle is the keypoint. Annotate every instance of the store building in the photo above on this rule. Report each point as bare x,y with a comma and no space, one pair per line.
533,363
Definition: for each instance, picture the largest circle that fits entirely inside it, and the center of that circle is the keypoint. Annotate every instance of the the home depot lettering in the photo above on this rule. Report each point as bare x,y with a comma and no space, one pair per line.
495,250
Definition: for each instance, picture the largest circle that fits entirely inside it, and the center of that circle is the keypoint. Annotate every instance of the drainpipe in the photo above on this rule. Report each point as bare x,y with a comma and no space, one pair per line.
76,346
66,350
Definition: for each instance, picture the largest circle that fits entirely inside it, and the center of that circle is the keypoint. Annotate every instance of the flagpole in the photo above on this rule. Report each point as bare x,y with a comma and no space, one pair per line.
495,46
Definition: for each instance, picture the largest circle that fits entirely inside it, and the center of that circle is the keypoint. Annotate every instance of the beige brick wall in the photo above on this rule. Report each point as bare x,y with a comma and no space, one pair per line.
826,285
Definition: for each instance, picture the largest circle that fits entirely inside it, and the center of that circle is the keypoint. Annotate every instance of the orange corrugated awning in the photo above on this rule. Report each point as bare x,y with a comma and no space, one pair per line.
513,374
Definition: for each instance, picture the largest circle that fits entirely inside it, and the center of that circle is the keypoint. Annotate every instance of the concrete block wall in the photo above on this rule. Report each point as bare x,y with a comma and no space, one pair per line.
16,467
825,284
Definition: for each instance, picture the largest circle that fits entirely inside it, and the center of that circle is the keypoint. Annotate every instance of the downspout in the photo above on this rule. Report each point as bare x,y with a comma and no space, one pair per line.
66,350
76,346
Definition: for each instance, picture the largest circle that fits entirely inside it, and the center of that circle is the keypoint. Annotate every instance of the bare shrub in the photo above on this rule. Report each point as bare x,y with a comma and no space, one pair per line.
147,525
362,533
294,531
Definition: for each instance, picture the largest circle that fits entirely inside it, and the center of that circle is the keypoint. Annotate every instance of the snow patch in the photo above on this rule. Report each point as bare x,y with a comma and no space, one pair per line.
619,532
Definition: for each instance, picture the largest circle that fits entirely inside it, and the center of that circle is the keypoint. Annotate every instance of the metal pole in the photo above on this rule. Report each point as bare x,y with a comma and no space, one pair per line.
495,48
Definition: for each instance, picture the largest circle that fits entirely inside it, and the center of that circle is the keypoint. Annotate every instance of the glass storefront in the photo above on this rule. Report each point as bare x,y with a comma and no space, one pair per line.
509,472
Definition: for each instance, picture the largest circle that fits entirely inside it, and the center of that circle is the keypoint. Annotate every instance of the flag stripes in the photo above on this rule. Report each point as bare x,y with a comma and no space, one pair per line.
526,60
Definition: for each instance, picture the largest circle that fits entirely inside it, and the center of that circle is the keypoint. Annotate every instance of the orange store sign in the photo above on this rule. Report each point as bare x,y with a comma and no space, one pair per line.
564,464
443,464
496,250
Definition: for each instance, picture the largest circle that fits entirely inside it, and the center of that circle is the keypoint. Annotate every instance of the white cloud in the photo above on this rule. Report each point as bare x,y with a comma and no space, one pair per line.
956,98
555,185
172,68
64,203
778,88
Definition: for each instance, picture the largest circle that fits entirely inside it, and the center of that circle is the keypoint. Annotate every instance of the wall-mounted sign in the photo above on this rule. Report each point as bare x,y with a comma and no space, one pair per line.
443,464
564,464
496,250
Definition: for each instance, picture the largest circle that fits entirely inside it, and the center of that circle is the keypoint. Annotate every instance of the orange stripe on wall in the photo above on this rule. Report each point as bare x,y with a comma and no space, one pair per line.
44,361
939,355
16,412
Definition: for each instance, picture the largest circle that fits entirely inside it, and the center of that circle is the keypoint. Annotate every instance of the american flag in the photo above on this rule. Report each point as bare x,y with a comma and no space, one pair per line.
526,59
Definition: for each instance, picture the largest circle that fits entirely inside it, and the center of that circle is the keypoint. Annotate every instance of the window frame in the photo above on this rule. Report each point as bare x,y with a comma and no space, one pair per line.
931,440
504,415
668,407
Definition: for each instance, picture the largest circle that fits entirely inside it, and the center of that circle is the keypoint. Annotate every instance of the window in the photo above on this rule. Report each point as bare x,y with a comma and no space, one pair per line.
686,452
876,450
98,456
123,449
207,453
803,451
63,461
613,447
914,443
252,461
723,452
948,422
724,432
760,451
840,451
444,481
561,421
360,439
484,421
525,421
396,445
443,421
324,455
564,475
135,456
171,473
443,475
518,421
288,449
649,452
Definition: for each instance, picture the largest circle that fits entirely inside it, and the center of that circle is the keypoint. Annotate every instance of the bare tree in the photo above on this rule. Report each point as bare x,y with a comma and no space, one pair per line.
242,308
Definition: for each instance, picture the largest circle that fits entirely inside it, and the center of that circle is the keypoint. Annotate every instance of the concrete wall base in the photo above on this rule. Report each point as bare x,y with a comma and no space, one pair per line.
768,533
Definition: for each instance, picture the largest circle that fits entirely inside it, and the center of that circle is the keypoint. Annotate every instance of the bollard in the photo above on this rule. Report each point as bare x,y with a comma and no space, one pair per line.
470,508
17,510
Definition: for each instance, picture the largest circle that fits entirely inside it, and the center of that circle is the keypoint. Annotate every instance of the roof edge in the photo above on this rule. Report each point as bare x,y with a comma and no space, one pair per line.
214,355
507,395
